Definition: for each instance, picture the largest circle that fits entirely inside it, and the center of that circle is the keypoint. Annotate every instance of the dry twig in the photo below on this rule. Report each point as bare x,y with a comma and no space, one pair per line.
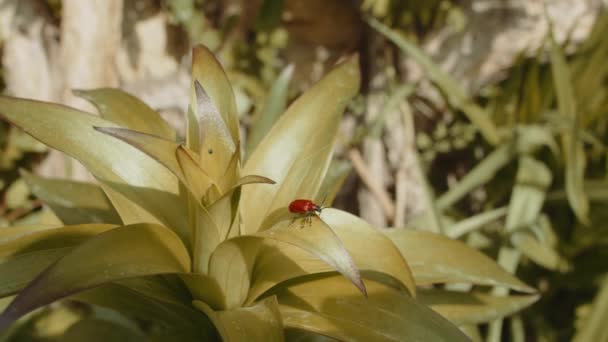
377,190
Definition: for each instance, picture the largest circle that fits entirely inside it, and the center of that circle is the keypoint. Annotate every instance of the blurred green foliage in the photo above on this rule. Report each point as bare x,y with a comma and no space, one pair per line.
548,168
533,146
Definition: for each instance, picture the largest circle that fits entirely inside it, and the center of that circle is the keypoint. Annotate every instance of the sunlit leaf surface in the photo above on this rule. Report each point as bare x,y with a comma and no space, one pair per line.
109,159
297,150
473,307
259,322
127,111
273,107
438,259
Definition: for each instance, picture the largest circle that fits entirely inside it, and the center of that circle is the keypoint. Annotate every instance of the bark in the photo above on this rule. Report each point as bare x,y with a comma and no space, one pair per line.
29,50
46,63
90,38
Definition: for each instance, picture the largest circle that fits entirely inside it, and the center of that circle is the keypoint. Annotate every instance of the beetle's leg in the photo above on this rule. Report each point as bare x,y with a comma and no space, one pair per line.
305,220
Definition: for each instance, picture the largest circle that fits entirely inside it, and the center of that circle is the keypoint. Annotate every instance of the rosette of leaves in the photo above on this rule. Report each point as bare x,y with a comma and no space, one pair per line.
181,241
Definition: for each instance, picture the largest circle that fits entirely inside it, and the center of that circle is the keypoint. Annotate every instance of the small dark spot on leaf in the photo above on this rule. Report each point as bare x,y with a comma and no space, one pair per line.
210,151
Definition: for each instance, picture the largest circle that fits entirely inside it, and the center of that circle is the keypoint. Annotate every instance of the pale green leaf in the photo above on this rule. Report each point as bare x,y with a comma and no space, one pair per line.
27,251
45,216
176,158
538,252
195,178
217,146
160,149
574,154
274,105
527,199
19,270
374,254
472,331
318,238
217,222
509,259
333,181
130,251
479,175
285,251
109,159
73,202
474,222
128,111
17,195
276,262
212,120
297,150
330,306
224,212
259,322
435,259
167,288
128,207
530,138
206,237
231,174
473,307
252,179
369,247
544,232
16,240
532,180
596,190
518,332
208,71
231,266
166,207
205,289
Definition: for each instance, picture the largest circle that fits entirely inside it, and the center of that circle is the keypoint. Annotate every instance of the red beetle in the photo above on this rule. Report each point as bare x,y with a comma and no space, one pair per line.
306,208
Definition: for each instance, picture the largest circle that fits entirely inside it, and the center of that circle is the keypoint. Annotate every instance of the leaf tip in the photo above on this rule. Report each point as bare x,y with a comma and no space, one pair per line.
362,288
267,180
289,69
199,51
202,98
79,92
105,130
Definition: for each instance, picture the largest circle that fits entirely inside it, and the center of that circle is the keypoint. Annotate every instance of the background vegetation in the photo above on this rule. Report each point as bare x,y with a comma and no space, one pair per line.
494,117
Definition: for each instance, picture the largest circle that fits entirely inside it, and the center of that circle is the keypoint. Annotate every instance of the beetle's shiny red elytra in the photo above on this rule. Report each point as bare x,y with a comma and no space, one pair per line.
304,206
